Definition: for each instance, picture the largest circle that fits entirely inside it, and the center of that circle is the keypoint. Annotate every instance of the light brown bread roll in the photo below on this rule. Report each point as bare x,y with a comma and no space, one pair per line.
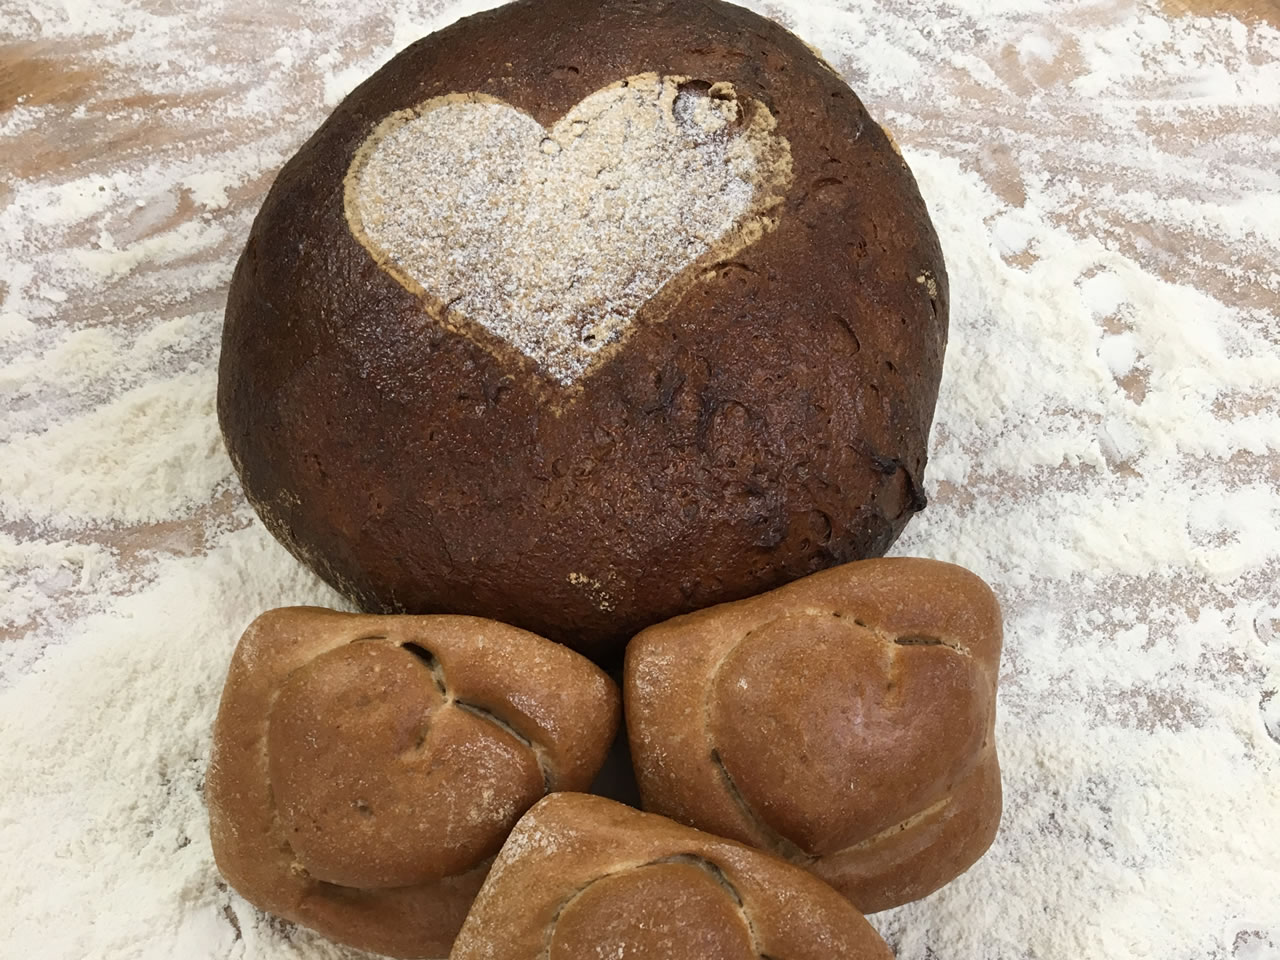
365,769
844,722
582,878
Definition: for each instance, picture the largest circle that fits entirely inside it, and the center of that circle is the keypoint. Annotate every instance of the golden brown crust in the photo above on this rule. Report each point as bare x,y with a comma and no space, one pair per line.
365,769
845,722
766,421
582,876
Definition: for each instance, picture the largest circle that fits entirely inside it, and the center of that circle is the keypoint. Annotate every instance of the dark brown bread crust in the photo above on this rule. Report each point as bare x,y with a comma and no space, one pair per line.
845,722
366,769
770,422
584,877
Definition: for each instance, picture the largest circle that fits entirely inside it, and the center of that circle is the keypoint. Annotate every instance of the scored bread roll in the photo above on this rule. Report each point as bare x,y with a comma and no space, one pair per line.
584,877
365,769
844,722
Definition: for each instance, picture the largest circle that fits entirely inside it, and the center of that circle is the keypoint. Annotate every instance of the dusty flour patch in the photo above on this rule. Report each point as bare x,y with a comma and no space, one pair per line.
104,744
99,459
554,239
1106,454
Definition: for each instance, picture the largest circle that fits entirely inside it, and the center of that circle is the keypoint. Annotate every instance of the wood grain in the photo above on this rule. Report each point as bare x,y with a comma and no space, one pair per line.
32,75
1249,11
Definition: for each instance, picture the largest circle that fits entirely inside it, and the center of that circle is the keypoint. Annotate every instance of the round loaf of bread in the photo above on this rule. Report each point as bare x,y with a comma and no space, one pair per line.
581,314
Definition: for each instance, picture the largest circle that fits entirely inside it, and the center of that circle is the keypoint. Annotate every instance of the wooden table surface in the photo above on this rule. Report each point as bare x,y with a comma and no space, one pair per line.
138,137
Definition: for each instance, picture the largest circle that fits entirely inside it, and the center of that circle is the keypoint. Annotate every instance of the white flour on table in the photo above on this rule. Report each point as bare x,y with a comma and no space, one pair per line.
1107,452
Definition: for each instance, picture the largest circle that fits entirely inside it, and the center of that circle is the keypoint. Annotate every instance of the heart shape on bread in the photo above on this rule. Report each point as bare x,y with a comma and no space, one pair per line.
585,877
765,414
553,240
845,722
364,769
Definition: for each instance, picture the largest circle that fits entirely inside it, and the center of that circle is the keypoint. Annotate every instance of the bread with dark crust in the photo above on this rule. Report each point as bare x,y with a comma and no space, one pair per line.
766,415
845,722
366,769
584,877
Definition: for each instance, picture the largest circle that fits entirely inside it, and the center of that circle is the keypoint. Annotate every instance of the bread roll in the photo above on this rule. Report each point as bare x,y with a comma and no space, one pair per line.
365,769
581,314
844,722
584,877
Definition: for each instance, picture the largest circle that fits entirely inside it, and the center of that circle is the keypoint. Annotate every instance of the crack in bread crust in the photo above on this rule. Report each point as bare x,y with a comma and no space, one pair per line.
900,827
766,835
432,664
538,750
718,874
774,841
710,867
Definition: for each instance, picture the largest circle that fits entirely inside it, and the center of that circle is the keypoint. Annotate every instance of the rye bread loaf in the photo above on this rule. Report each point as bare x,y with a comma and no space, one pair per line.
584,877
582,314
845,722
366,769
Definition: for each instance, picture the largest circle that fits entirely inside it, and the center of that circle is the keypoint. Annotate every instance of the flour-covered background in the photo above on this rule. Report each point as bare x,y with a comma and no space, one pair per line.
1104,176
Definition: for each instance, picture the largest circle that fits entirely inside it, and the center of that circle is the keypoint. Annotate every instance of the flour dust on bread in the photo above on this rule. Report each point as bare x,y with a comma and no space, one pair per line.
512,339
552,240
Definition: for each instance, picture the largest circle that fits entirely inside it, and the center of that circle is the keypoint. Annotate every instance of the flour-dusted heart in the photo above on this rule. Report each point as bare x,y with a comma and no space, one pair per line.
554,239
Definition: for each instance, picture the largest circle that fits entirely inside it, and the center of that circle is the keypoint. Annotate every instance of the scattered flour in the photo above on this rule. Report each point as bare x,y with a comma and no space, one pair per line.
1107,452
110,467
